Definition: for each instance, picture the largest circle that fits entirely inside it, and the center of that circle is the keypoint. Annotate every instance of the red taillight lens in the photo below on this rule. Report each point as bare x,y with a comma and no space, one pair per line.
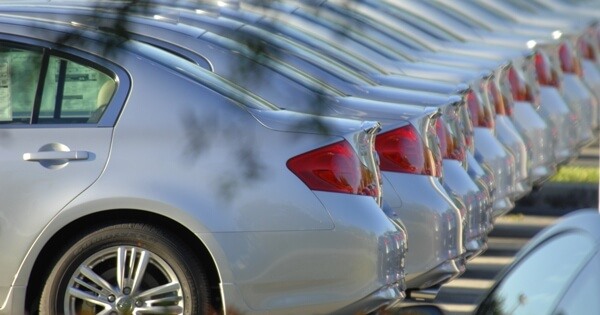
495,98
466,124
402,150
569,61
543,69
475,109
505,93
519,88
586,50
334,168
481,116
451,145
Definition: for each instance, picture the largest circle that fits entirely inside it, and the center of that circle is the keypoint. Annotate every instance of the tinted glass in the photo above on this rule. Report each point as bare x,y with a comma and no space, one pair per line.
424,25
219,84
496,13
582,297
523,6
74,93
71,93
538,281
19,75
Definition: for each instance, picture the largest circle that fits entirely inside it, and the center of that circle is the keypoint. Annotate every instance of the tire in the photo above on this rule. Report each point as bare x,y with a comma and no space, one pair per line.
84,277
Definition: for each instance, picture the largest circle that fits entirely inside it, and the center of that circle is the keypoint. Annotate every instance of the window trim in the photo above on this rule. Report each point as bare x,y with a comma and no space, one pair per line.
118,74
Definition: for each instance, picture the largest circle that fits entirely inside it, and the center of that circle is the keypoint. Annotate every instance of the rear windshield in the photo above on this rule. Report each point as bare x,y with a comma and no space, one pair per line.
202,76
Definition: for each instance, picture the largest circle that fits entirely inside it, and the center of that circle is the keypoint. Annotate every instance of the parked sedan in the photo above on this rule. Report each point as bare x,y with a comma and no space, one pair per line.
139,182
408,148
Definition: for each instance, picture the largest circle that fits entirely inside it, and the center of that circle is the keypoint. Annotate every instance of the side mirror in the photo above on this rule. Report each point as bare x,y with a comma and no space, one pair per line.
419,310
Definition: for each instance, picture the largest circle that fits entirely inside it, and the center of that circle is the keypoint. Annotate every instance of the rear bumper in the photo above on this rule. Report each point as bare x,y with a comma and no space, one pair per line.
379,300
459,183
481,246
521,190
541,174
558,115
537,135
502,206
314,271
442,273
435,225
493,155
581,103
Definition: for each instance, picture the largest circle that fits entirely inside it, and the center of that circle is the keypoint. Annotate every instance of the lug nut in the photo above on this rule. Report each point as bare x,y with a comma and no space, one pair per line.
126,290
111,298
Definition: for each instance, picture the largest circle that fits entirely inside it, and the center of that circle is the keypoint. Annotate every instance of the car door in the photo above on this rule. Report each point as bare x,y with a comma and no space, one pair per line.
52,142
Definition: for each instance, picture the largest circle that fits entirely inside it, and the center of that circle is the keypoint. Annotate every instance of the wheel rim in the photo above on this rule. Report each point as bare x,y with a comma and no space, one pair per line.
124,280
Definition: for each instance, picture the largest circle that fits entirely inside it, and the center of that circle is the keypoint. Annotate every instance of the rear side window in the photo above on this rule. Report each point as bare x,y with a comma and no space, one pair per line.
19,74
38,88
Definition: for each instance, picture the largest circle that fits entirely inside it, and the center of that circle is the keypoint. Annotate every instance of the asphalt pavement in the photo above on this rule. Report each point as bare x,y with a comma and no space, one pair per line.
513,231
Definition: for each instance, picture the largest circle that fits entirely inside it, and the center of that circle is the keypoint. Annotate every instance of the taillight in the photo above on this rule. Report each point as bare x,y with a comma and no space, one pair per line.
569,61
495,97
586,50
466,125
475,109
543,69
519,88
481,116
402,150
334,168
504,90
450,144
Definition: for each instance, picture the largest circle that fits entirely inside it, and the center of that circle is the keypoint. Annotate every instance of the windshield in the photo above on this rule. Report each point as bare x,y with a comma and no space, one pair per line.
378,20
537,282
334,49
351,28
326,63
523,6
421,23
270,61
496,13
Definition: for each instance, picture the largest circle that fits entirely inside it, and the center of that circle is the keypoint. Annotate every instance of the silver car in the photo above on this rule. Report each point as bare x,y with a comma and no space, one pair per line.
138,182
560,51
414,193
574,29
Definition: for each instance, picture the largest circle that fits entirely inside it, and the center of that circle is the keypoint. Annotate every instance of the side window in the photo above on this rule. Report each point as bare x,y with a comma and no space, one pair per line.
582,297
19,75
71,92
74,93
539,280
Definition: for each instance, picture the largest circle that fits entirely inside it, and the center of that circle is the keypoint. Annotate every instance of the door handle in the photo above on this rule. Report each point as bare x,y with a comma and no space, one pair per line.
55,155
